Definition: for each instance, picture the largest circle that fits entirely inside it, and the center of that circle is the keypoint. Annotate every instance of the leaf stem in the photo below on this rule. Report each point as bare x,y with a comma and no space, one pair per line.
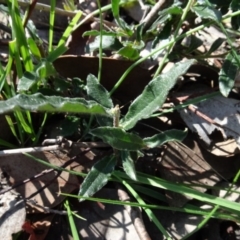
100,43
170,47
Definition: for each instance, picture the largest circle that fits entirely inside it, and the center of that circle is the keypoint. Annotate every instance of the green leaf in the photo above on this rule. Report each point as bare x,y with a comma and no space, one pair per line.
105,121
34,48
45,69
216,44
108,42
129,52
69,126
227,74
70,28
120,22
98,176
6,144
19,34
58,51
27,81
97,92
97,33
182,189
127,29
207,12
154,95
235,21
167,136
194,43
128,165
118,138
39,102
115,8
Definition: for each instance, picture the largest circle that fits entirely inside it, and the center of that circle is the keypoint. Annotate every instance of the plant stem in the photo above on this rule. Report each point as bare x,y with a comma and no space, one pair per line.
100,43
188,33
51,23
71,221
170,47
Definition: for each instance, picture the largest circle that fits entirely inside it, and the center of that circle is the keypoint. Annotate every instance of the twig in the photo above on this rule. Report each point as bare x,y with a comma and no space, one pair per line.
63,146
29,12
153,14
29,150
193,109
46,209
134,214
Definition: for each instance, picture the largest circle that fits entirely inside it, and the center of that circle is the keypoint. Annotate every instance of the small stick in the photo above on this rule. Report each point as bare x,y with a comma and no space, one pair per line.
46,209
153,14
63,146
209,120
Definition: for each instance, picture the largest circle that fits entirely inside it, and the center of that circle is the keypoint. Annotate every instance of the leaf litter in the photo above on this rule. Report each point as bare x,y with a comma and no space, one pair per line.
186,164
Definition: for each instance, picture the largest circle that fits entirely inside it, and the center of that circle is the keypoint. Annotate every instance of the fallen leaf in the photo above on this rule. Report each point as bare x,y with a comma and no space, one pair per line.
191,164
20,167
112,70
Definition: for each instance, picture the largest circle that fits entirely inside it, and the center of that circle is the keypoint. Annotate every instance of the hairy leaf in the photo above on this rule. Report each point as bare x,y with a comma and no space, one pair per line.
128,165
227,74
108,42
207,12
98,176
97,92
118,138
167,136
154,95
42,71
97,33
235,21
216,44
129,52
39,102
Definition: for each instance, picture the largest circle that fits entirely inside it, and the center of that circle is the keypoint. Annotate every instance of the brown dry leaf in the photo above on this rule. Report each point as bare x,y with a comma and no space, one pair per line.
20,167
191,164
41,224
76,43
112,70
226,148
